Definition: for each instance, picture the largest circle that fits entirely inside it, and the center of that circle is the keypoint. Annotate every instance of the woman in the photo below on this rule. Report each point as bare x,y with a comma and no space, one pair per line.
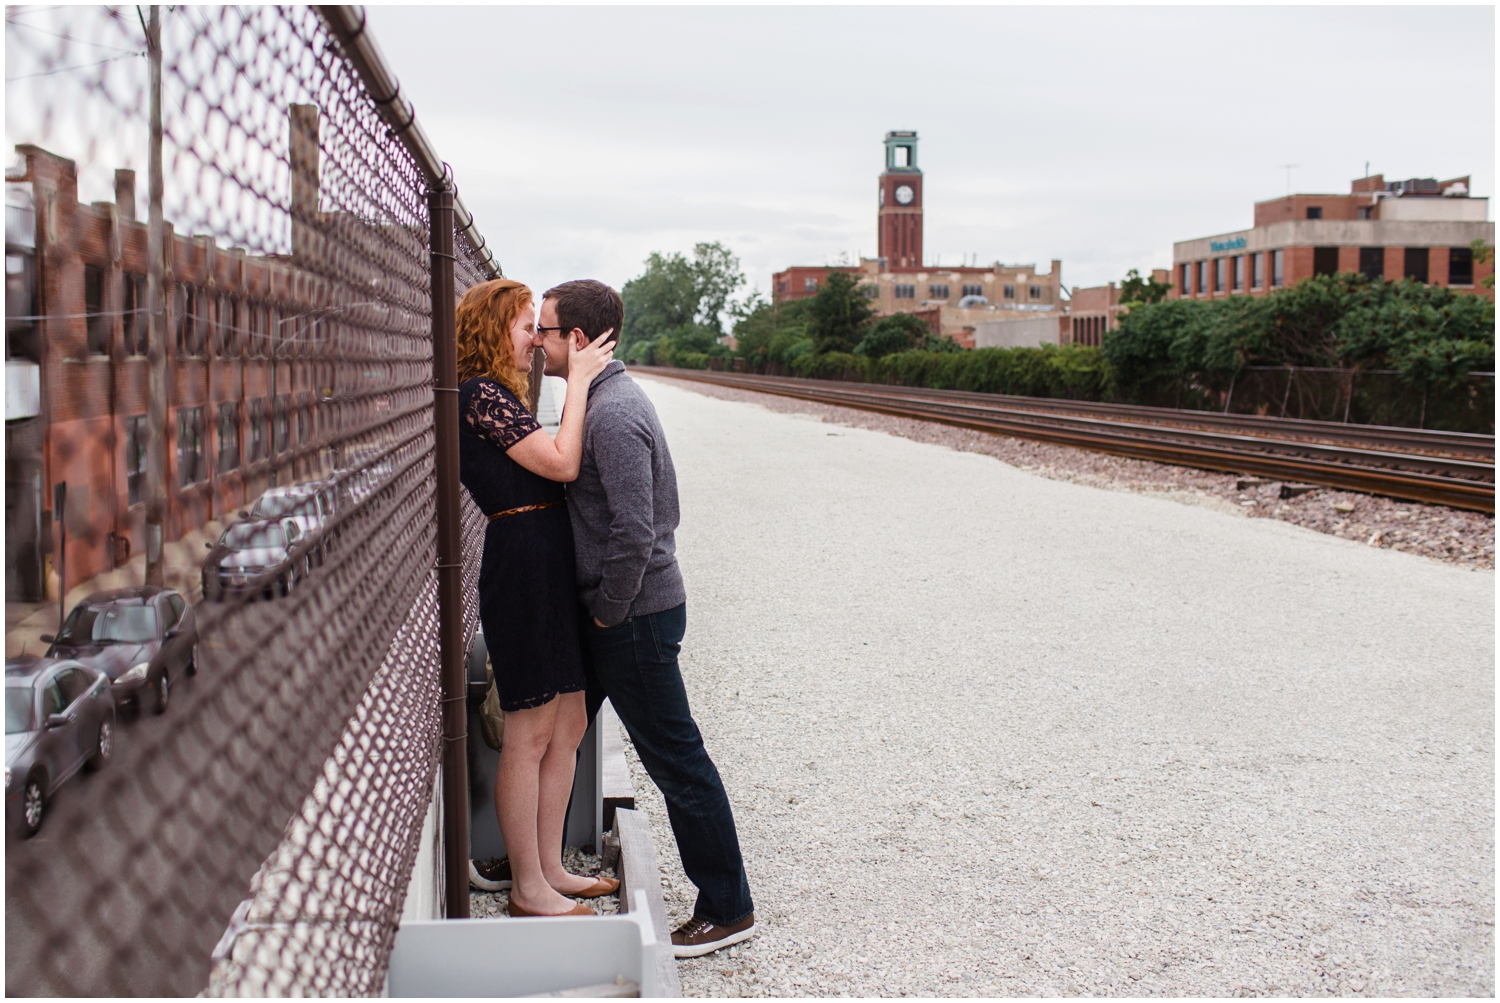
528,601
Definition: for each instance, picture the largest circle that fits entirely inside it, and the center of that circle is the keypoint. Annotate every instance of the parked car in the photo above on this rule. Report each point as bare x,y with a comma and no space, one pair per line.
59,717
311,504
143,639
255,556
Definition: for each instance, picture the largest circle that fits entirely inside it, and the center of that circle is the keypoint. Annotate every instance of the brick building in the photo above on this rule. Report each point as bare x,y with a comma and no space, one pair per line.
76,368
900,280
1421,229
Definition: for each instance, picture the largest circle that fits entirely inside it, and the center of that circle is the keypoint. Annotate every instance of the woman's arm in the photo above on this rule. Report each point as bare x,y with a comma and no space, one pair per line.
559,459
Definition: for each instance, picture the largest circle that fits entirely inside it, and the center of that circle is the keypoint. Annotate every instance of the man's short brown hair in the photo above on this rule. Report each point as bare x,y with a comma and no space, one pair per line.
589,305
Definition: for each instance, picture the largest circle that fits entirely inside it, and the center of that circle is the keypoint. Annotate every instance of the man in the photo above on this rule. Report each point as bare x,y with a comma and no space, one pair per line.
624,511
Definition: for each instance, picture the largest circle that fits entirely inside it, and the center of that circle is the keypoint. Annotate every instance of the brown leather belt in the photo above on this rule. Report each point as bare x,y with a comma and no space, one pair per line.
525,508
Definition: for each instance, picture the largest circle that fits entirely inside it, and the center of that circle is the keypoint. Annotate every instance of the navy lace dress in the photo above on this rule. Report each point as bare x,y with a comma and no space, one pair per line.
528,596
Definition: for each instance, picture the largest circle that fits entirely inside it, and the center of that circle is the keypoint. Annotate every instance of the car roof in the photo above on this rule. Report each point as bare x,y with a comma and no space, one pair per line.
133,596
306,488
24,669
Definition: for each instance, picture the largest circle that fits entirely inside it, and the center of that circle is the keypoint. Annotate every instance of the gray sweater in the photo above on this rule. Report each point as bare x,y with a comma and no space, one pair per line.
624,505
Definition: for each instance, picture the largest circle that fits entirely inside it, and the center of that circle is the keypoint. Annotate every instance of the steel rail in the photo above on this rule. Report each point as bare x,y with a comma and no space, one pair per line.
1445,480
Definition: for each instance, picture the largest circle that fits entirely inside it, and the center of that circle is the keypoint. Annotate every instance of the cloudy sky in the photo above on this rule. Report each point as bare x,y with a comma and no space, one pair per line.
583,138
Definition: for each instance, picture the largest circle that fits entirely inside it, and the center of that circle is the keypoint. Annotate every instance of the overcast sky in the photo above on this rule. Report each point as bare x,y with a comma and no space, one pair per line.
584,138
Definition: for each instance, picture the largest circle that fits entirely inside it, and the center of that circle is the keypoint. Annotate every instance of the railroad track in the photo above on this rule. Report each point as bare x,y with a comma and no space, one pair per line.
1441,468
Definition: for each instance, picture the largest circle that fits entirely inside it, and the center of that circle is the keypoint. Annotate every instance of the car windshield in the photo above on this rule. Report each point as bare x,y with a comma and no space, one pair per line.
18,705
109,625
276,506
243,537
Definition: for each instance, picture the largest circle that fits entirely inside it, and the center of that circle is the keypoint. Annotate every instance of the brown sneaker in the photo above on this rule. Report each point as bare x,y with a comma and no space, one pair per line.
490,875
698,936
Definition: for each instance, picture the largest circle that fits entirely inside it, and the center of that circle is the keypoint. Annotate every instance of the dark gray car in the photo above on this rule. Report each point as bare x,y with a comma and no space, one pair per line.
59,717
143,638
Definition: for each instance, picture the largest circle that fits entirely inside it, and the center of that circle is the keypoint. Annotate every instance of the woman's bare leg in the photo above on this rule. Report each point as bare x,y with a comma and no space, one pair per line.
556,784
528,734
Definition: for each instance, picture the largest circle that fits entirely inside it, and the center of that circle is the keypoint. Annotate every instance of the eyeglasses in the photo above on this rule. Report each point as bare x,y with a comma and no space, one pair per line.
544,330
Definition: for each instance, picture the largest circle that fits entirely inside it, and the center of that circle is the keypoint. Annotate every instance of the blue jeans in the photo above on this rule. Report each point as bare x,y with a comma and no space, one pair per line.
635,664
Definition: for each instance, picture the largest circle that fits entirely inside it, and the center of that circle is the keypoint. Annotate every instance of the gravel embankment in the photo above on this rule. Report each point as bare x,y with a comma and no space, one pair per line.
1446,534
483,904
988,733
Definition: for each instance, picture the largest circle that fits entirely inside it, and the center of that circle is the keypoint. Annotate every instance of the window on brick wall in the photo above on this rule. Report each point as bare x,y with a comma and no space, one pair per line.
133,323
1325,260
973,290
1258,270
1372,262
93,308
1416,263
937,292
1010,292
229,436
1219,268
1460,266
870,291
280,423
1239,271
190,466
137,435
190,311
1278,263
1202,284
304,425
1366,212
810,285
1314,212
1035,292
258,431
906,292
1184,280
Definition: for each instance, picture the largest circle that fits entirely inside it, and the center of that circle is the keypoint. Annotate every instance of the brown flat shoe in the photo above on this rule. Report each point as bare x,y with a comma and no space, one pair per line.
578,910
600,887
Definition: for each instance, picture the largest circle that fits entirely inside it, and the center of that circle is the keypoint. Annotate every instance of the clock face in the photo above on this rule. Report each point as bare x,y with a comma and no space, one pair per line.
904,194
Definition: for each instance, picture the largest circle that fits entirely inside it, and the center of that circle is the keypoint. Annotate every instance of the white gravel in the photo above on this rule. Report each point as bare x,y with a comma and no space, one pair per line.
988,733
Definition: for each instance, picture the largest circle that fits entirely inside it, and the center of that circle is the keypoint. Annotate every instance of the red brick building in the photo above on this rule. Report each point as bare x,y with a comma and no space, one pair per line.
1421,228
76,373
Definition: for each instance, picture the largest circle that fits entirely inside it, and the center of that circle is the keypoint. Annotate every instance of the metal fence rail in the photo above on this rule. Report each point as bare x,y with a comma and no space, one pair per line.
270,321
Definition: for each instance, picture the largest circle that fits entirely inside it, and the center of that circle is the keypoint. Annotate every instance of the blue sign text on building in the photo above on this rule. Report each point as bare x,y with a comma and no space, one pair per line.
1226,245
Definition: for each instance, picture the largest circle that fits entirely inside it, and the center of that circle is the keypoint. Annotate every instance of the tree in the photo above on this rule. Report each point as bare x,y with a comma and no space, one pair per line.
681,300
1483,255
900,332
1138,290
838,314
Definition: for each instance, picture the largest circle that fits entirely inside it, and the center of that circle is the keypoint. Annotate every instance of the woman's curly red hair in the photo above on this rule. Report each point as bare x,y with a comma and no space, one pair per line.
485,316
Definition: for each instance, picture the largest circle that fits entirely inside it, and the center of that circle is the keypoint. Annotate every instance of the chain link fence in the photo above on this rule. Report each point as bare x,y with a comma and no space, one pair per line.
277,289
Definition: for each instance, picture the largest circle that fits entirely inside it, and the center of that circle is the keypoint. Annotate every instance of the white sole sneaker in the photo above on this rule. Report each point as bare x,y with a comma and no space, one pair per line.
485,884
699,950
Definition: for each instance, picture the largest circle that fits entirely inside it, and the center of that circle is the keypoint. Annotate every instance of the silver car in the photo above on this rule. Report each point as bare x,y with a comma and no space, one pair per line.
59,718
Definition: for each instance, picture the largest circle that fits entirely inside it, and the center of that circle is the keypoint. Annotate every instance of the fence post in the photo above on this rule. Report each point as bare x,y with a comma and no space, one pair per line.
449,557
156,334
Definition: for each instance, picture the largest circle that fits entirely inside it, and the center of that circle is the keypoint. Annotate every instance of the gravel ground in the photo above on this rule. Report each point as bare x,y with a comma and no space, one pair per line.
1447,534
988,733
484,904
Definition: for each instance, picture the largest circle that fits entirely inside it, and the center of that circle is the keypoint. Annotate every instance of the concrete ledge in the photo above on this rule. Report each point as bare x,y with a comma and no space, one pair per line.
639,871
619,792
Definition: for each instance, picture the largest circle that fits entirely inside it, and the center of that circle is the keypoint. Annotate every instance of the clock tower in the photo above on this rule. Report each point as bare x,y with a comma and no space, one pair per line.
901,203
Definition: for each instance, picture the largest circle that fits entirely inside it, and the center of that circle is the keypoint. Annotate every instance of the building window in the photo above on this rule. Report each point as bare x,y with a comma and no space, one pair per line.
1239,271
1185,282
224,327
937,292
229,436
1278,274
809,285
192,321
1314,212
190,466
304,425
137,435
280,424
1372,262
906,292
1035,292
1460,266
1325,260
870,291
1219,268
93,308
1010,292
1258,270
1366,212
257,430
1202,286
1416,263
134,308
973,290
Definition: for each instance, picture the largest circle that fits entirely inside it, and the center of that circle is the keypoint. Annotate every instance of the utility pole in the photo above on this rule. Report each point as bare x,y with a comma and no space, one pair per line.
156,333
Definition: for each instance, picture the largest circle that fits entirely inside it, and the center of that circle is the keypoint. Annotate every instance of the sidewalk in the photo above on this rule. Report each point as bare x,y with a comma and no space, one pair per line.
25,623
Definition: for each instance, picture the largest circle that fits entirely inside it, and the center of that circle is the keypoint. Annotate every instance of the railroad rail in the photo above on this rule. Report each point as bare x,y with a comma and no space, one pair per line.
1440,468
